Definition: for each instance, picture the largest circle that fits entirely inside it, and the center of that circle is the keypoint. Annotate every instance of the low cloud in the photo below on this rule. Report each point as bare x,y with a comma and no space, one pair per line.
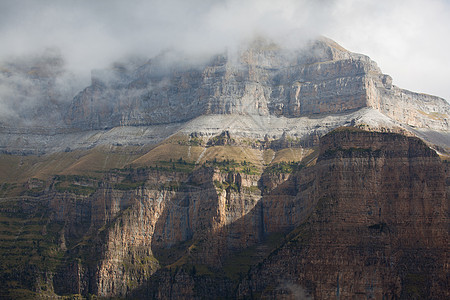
406,38
33,87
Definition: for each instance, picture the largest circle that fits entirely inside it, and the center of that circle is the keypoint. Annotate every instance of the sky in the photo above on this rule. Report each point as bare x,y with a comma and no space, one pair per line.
409,39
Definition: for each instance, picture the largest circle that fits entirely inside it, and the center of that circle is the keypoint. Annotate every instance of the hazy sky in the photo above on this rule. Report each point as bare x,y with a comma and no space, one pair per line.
409,39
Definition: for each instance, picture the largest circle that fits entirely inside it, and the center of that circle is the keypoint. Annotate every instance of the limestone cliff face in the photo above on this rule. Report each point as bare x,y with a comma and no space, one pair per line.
369,219
414,109
264,79
114,239
379,227
266,83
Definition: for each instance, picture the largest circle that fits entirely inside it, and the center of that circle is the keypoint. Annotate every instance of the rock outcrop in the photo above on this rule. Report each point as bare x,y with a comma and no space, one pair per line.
370,218
229,178
378,228
263,82
321,78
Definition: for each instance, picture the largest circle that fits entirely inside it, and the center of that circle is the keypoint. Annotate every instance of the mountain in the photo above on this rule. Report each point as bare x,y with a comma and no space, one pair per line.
265,173
271,87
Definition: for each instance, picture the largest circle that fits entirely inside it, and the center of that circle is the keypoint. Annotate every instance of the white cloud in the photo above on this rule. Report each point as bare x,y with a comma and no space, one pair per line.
408,39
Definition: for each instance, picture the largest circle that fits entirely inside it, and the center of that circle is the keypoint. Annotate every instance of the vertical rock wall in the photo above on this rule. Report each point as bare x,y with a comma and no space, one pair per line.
379,228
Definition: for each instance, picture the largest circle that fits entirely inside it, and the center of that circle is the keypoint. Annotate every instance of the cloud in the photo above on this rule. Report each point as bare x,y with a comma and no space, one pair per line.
33,87
408,39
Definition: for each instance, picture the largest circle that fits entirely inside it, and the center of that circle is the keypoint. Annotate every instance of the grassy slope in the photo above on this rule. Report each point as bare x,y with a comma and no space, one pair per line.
22,242
291,154
17,170
166,152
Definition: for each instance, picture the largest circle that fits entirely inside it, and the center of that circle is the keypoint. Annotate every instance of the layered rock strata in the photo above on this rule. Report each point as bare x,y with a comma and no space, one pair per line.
378,229
369,219
310,90
265,79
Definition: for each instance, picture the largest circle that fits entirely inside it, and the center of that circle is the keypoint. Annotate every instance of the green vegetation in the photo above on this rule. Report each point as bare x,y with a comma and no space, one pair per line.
252,143
10,189
192,141
230,165
28,245
179,165
225,185
171,165
220,185
251,189
35,187
128,185
139,263
76,184
284,168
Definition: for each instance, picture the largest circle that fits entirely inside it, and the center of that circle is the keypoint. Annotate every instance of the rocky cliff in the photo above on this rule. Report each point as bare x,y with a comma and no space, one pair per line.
306,91
264,79
370,218
266,173
378,230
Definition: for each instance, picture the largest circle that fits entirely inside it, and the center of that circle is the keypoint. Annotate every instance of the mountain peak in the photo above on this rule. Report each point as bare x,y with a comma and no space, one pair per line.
229,178
265,80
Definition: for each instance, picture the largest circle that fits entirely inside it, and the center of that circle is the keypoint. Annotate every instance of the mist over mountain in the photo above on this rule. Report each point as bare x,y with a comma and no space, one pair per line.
223,150
34,89
47,108
405,37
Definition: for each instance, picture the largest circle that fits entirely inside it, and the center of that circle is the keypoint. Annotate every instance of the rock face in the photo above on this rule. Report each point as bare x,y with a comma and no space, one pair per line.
230,178
369,219
265,79
378,228
168,93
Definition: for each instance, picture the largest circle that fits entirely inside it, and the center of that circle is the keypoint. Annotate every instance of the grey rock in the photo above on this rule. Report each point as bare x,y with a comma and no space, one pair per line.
260,86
